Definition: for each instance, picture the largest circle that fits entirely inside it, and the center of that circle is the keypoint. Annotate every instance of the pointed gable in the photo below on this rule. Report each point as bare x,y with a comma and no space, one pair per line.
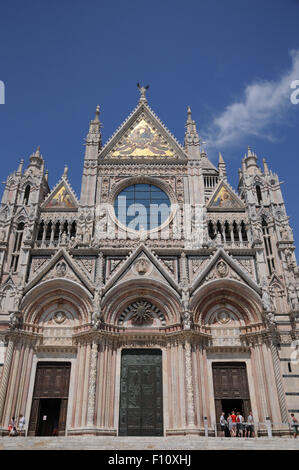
224,198
61,266
62,197
143,135
223,266
141,264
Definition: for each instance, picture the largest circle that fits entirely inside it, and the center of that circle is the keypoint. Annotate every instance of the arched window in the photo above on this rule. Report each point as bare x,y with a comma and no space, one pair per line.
17,246
268,246
258,194
27,194
244,232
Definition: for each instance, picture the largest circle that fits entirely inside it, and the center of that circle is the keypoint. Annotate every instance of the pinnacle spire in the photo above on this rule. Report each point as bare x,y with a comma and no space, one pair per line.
94,134
191,140
222,167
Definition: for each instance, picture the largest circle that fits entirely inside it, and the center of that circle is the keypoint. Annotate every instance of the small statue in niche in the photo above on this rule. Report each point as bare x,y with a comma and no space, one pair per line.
97,317
293,298
2,235
284,233
15,320
266,297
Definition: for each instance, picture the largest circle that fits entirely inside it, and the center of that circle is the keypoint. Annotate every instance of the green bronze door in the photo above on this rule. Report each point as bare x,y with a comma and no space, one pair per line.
141,402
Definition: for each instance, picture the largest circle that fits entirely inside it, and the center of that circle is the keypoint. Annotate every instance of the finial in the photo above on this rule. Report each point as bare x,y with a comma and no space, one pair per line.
65,171
142,90
97,114
221,158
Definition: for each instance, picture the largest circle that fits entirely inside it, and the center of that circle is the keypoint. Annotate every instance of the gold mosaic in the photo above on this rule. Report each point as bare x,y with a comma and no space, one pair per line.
142,141
61,200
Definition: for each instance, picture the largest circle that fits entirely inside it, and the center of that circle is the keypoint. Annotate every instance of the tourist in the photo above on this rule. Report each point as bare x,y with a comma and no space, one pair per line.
239,420
234,423
250,425
294,423
230,424
223,424
21,423
13,427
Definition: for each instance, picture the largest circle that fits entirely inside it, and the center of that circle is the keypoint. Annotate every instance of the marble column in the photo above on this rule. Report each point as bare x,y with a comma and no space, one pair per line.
92,385
5,376
189,386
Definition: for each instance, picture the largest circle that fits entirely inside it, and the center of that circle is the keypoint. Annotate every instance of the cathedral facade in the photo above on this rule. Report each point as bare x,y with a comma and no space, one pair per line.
155,301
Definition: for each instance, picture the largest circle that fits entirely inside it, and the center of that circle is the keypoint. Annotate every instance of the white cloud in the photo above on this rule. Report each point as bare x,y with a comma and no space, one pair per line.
264,103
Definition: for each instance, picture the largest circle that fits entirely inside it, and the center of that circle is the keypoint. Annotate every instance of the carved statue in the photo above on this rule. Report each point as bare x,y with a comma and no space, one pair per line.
293,298
96,317
15,320
187,320
142,90
266,297
284,233
2,235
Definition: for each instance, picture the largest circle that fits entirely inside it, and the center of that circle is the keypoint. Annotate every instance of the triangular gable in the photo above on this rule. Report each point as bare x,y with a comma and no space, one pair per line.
55,269
275,280
143,135
224,198
22,212
141,264
61,198
221,262
8,282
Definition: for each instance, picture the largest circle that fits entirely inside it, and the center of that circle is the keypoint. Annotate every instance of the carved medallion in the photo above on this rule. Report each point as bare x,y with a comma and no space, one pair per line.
59,317
142,267
222,268
61,269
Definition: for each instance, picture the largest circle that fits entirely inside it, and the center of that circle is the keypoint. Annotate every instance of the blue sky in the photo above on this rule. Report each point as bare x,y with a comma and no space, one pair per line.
231,61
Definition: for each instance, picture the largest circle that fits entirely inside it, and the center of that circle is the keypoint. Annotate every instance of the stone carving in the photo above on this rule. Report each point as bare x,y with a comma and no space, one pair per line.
223,317
142,267
142,313
266,297
59,317
60,269
15,320
293,298
2,235
284,233
97,317
222,268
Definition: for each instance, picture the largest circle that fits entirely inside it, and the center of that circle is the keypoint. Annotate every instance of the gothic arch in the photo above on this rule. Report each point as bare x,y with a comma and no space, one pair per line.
232,295
43,297
121,296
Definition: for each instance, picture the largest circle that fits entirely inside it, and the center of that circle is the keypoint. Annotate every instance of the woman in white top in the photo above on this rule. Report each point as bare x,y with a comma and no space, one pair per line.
21,423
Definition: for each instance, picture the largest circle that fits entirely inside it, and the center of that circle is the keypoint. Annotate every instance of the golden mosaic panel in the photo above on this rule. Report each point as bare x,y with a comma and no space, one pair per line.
142,141
61,200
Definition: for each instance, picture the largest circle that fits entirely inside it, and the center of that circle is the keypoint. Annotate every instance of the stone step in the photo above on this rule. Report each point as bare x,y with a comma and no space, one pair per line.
146,443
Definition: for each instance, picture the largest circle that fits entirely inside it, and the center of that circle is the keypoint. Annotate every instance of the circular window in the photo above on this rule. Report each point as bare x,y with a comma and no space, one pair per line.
142,207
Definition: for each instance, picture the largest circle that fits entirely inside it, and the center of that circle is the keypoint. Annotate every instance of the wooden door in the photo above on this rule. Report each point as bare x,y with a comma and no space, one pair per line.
51,382
141,403
231,383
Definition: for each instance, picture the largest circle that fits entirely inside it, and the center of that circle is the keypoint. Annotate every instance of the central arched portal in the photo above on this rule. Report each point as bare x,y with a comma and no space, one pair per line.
141,396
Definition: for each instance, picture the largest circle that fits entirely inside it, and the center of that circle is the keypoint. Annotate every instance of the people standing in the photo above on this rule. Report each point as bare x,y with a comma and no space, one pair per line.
234,422
223,424
239,420
13,427
230,424
250,425
294,423
21,423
